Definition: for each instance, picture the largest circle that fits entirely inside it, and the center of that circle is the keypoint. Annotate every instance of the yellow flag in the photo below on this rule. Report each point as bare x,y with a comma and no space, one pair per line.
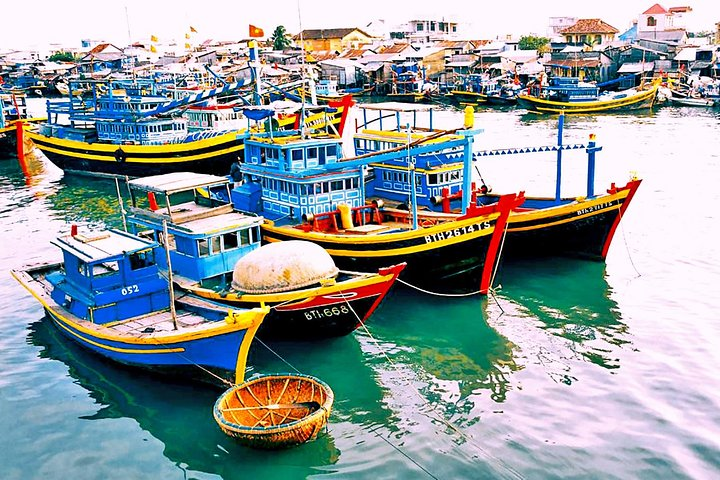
187,36
192,29
188,47
153,38
153,49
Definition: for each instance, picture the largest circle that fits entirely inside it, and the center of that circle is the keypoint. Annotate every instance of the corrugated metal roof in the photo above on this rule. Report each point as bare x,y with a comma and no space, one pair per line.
639,67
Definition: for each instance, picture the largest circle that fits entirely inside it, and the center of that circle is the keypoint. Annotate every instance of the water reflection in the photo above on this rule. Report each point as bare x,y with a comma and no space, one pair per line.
571,299
449,355
177,414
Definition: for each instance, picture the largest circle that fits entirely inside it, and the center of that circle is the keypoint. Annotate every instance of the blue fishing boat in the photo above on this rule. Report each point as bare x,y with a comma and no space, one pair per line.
307,190
216,253
108,295
581,226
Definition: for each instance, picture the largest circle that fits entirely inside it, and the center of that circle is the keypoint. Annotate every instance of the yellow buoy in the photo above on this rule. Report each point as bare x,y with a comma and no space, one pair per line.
345,216
469,117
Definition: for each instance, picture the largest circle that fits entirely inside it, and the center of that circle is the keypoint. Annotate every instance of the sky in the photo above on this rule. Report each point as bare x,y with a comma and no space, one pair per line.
40,23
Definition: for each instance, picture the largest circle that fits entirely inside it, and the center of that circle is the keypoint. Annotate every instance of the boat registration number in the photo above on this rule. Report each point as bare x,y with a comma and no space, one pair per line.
456,232
317,314
130,289
594,208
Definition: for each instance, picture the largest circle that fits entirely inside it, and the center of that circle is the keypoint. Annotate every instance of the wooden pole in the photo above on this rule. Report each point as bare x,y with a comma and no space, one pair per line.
169,269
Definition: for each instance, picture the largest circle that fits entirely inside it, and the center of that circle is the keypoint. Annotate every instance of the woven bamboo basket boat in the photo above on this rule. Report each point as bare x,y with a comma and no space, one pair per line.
275,411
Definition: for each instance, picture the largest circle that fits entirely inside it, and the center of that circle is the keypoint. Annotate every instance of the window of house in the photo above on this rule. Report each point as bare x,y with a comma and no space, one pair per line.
651,22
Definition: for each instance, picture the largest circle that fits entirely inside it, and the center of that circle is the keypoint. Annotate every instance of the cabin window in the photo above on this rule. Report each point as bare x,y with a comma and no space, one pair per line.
336,185
214,245
230,241
312,153
332,150
203,248
296,154
143,259
105,269
432,179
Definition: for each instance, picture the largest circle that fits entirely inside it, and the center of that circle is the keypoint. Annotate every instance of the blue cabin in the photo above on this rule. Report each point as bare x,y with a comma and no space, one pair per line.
109,277
570,89
206,237
115,112
287,176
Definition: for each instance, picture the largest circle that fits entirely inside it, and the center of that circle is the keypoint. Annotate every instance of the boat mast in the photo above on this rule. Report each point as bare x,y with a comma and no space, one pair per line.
166,244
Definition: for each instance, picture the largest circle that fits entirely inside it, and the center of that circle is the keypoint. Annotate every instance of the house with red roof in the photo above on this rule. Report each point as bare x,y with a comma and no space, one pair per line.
591,31
659,23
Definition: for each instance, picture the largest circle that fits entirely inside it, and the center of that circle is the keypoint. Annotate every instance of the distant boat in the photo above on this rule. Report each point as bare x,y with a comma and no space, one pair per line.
12,108
691,101
478,89
127,129
570,95
109,296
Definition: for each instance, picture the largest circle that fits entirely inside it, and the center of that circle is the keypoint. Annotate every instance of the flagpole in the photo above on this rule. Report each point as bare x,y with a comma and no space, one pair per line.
302,63
127,21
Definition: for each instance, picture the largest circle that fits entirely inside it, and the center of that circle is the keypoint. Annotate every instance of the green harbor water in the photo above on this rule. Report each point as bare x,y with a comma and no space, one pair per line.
571,369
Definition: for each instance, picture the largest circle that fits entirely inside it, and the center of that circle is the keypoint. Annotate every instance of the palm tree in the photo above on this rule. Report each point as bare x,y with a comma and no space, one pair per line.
280,39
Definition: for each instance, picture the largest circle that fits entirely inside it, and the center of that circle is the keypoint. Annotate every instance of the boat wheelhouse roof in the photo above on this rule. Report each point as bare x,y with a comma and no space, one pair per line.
104,245
281,139
397,107
217,224
176,182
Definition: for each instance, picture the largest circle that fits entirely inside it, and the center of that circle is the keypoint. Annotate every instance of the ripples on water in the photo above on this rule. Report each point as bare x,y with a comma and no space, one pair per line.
571,370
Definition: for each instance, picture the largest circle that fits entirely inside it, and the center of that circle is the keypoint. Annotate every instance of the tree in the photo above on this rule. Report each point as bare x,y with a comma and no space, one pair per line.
530,42
280,39
61,57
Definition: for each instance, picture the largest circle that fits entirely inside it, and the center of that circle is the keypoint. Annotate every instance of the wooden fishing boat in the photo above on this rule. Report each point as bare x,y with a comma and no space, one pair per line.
108,295
307,190
13,110
569,95
476,89
216,253
581,226
691,101
275,411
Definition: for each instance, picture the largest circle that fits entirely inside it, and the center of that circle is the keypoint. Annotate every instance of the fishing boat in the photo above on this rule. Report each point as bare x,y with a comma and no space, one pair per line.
580,226
275,411
570,95
307,190
108,295
216,253
691,101
12,108
476,88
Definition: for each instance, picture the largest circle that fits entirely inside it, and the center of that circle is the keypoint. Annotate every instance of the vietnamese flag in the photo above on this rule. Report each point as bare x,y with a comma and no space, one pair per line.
256,32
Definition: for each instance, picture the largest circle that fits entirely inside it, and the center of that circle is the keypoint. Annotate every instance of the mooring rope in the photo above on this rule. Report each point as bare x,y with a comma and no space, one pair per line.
438,415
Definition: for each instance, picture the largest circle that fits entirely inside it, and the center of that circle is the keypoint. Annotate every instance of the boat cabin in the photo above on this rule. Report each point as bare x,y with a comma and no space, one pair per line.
206,237
13,106
109,276
214,117
287,176
570,89
436,172
327,88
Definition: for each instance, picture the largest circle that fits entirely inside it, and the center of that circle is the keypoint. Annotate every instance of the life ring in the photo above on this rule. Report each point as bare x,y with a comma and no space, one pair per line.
120,155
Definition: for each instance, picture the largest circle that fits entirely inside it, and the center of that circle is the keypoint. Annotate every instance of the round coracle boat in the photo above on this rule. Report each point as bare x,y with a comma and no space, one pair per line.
283,266
275,411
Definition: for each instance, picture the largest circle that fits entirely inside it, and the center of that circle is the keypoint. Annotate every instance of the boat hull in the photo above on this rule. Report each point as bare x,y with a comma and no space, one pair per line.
212,155
8,141
316,312
221,348
583,228
642,100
